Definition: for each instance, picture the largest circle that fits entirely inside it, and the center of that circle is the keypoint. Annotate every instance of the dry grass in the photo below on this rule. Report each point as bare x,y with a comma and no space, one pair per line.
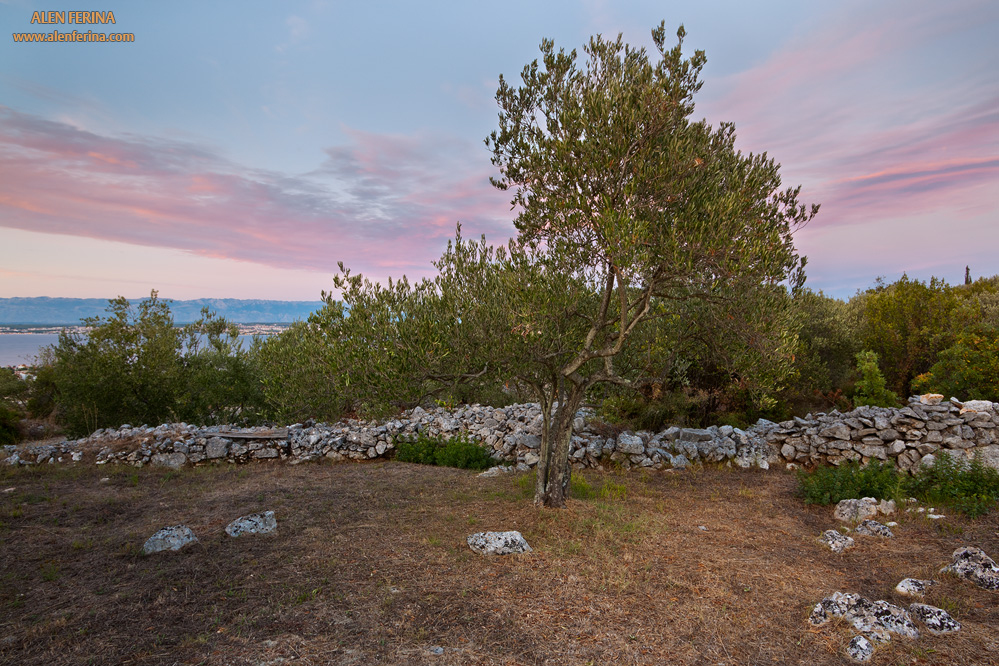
370,567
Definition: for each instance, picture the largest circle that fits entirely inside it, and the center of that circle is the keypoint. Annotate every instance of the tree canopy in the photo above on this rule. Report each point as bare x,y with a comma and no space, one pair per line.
649,215
636,227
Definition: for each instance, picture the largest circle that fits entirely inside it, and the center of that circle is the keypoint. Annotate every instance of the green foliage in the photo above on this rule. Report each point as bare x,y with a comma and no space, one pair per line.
646,244
580,488
221,380
908,323
829,485
634,412
459,451
969,369
135,366
421,450
969,487
870,389
614,491
10,421
464,453
13,401
824,357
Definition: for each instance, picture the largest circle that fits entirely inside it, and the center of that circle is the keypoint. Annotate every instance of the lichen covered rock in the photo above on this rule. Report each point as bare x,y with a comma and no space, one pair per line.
498,543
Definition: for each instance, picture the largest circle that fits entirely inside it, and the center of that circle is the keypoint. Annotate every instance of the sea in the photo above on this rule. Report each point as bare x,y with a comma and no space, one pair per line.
21,348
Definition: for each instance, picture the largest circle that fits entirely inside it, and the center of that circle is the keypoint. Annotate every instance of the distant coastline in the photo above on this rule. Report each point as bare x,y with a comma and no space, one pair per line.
29,329
55,313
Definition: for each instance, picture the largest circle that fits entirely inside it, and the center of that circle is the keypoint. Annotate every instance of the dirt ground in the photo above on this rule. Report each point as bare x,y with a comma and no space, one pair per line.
370,566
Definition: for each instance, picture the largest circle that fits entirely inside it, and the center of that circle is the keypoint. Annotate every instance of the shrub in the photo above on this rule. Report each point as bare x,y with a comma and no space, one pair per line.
871,388
10,430
422,450
459,451
829,485
135,366
969,487
464,453
969,368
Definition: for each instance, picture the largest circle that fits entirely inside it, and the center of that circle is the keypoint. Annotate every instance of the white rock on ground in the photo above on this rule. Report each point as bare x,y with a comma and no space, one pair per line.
854,510
860,649
169,538
937,620
874,528
973,564
836,541
876,619
498,543
913,587
255,523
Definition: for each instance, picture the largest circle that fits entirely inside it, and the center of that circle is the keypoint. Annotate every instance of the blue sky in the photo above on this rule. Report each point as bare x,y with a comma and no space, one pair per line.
241,149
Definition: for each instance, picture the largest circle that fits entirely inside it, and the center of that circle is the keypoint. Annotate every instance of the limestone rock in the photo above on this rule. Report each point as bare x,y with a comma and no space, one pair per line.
216,447
930,399
860,649
631,444
937,620
498,543
837,430
874,528
169,538
977,406
171,460
255,523
836,541
852,510
913,587
973,564
877,619
498,470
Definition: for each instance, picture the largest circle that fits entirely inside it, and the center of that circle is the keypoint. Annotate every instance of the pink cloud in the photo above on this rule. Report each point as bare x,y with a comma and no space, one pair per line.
840,109
379,202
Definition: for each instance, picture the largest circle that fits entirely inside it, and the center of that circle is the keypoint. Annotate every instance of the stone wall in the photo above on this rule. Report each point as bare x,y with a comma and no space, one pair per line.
906,436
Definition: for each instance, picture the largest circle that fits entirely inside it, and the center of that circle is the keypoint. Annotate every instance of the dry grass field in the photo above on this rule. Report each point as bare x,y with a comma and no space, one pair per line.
370,566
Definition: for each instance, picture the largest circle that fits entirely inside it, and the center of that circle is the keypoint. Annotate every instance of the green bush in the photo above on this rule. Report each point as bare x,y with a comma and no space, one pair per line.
422,450
464,453
968,369
871,388
459,451
135,366
10,431
829,485
969,487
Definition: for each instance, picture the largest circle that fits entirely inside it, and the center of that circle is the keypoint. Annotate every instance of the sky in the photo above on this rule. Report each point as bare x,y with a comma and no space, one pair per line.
243,149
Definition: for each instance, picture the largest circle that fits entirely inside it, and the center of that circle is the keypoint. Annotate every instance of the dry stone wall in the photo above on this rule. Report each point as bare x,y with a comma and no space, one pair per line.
906,436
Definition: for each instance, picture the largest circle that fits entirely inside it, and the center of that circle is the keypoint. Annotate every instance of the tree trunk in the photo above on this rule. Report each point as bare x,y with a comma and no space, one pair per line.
553,481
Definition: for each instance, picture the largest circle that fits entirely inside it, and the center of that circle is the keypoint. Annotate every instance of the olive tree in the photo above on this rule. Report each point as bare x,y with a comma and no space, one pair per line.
634,223
622,195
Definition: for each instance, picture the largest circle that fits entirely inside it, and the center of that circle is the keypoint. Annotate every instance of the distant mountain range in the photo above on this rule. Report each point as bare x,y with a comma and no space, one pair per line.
69,311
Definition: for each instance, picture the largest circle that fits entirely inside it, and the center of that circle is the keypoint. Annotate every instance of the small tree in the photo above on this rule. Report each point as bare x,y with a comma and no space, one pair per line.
639,211
871,389
125,368
133,365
